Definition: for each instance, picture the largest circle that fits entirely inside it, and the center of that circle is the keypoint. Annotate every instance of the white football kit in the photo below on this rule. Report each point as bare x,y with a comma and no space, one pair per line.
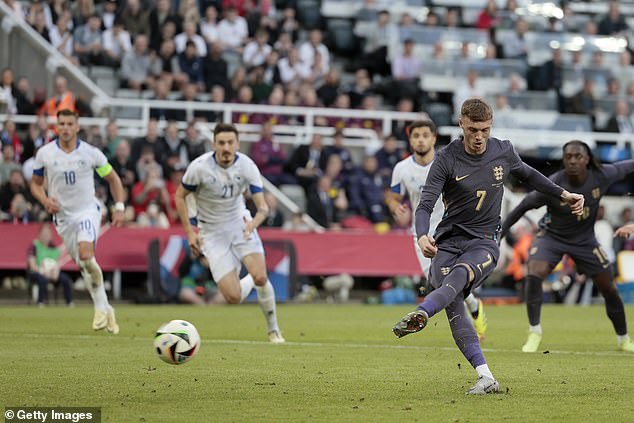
409,176
70,179
221,209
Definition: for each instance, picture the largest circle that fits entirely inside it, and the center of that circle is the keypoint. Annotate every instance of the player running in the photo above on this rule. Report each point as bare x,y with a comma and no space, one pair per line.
69,165
562,233
217,180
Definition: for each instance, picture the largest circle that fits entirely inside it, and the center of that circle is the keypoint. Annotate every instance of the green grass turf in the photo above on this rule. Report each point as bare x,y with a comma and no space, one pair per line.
341,363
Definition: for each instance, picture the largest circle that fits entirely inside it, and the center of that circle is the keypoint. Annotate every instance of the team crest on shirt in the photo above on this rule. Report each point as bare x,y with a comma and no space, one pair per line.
533,251
498,172
596,193
445,270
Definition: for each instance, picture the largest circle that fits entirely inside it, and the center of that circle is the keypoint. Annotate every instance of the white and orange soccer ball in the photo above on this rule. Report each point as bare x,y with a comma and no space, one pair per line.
177,342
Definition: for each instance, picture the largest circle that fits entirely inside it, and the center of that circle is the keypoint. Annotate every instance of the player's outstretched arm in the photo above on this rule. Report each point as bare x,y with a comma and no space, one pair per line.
544,185
116,189
625,231
183,214
37,189
532,201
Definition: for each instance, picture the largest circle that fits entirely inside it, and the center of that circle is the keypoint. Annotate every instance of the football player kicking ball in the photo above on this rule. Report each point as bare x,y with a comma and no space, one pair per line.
409,176
562,234
470,173
217,181
69,165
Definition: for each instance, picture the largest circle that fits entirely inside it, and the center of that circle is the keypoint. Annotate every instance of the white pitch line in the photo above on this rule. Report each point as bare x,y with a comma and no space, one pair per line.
323,344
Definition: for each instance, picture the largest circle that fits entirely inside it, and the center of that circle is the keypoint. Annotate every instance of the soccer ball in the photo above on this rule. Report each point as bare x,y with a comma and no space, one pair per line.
176,342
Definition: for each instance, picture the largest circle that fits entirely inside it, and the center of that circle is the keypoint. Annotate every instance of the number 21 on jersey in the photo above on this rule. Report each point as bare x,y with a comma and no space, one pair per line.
227,191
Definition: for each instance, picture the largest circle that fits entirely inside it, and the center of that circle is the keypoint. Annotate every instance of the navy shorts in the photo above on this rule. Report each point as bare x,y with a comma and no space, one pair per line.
481,255
589,257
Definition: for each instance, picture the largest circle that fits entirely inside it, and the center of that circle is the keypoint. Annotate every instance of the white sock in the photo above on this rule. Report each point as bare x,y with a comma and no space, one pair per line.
472,303
535,329
91,272
266,298
483,370
246,286
622,338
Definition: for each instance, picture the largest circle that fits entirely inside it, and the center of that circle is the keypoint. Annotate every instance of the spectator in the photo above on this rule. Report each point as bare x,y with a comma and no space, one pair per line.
329,89
467,89
361,88
399,127
339,149
366,191
374,58
406,71
196,144
16,7
62,38
15,185
215,69
304,163
387,157
122,164
620,122
151,142
217,97
232,31
39,25
116,43
551,75
83,10
209,26
109,14
197,284
88,42
583,102
173,145
289,24
614,22
488,17
188,10
169,64
325,205
312,48
515,44
270,157
291,69
191,65
43,267
256,52
189,35
139,68
135,19
283,45
151,191
161,90
8,164
63,99
161,14
112,138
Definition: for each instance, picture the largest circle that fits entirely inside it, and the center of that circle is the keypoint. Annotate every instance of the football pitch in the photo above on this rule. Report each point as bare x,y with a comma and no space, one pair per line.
340,363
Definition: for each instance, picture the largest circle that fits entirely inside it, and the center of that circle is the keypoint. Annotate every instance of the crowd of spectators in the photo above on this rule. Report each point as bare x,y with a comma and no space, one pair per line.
258,52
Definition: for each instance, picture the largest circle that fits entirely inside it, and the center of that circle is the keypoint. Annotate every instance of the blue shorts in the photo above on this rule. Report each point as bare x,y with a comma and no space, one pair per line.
481,255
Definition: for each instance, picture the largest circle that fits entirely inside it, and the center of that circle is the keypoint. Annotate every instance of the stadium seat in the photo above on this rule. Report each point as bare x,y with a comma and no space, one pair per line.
440,114
309,14
574,123
341,36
